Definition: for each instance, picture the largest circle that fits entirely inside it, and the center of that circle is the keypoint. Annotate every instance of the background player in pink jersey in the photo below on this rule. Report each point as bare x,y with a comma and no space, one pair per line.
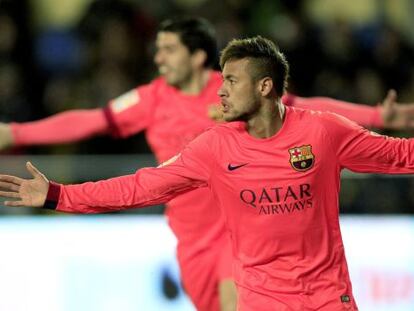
275,173
173,110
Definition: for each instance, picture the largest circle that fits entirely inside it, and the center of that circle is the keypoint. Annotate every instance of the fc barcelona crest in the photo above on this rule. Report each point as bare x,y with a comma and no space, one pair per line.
301,158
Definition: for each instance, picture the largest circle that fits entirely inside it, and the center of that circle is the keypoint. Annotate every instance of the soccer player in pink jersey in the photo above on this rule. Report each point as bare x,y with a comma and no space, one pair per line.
173,110
274,171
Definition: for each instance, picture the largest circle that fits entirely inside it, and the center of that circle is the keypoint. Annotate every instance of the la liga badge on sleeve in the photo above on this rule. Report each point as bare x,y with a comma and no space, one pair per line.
125,101
301,158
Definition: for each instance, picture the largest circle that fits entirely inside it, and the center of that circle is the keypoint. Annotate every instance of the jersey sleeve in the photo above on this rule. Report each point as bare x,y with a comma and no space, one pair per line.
131,112
188,170
60,128
364,115
364,151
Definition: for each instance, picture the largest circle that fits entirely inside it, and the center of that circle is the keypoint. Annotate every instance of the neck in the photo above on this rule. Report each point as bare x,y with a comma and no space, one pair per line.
268,120
196,83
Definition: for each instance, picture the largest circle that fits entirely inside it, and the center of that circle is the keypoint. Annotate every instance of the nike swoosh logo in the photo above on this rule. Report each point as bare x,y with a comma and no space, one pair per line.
235,167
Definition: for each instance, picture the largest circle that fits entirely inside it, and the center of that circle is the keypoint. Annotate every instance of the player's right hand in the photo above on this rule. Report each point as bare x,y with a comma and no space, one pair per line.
25,192
395,115
6,137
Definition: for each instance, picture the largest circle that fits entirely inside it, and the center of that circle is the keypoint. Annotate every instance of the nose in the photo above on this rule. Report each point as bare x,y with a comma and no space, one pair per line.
158,58
222,91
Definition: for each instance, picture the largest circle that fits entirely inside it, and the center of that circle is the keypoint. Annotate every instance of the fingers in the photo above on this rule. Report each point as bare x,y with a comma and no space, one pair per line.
9,186
391,97
392,93
10,195
12,184
14,203
33,170
11,179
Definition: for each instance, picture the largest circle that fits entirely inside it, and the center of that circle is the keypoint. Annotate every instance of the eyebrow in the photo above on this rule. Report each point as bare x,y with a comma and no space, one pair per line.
166,46
229,76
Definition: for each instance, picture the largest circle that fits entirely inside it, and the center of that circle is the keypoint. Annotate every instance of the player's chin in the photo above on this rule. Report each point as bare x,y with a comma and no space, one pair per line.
172,80
229,117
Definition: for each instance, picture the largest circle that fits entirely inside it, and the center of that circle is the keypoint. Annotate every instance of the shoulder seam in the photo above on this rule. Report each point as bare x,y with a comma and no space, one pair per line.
329,139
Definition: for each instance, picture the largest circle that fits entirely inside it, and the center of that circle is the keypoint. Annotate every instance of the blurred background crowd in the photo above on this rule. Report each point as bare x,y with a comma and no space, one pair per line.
76,54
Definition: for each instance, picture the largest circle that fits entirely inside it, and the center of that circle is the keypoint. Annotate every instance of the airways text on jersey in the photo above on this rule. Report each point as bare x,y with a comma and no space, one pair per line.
277,200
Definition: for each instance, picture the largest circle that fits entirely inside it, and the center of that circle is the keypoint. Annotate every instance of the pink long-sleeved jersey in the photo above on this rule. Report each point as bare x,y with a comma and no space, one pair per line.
279,197
171,119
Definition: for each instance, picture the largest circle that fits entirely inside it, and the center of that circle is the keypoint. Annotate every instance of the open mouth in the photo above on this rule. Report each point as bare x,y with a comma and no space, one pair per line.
225,107
163,70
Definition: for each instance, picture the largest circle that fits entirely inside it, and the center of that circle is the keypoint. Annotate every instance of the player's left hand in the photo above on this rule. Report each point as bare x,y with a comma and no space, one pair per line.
6,136
215,113
397,116
26,192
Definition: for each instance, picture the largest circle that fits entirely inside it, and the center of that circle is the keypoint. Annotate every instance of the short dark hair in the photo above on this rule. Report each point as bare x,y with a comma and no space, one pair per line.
196,34
265,60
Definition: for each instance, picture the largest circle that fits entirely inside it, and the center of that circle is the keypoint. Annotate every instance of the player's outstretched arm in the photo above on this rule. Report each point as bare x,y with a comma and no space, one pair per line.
65,127
191,169
389,115
24,192
147,187
360,150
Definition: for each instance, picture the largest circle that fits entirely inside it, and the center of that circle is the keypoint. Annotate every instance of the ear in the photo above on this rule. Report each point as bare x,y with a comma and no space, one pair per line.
265,86
199,58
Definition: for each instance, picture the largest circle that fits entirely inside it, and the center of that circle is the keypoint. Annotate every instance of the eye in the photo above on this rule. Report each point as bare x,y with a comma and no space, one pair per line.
232,81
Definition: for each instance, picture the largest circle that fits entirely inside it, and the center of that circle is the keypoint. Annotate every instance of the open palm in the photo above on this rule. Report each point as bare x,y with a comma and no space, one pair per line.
24,192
